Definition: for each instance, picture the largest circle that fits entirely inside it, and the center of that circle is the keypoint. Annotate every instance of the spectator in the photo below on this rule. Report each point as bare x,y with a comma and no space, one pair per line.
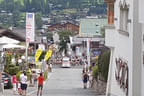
40,84
50,67
35,77
90,78
85,79
24,83
14,82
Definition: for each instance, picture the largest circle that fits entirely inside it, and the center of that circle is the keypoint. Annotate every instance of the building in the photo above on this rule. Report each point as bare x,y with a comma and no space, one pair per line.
91,27
65,26
89,37
141,21
124,37
11,34
71,26
55,26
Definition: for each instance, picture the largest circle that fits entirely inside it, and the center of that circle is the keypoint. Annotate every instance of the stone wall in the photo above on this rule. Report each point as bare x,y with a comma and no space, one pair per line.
99,86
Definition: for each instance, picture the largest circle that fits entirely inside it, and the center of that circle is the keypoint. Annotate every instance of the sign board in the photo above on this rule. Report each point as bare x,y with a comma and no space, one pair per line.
48,54
37,55
30,27
96,52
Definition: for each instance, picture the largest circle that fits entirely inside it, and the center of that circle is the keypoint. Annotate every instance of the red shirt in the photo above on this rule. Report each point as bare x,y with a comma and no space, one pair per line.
14,79
40,79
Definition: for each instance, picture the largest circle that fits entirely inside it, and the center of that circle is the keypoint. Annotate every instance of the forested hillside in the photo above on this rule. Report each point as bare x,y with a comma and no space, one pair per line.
45,6
16,9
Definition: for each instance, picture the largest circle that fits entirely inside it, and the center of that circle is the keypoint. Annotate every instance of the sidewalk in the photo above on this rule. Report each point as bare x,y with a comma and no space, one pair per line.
30,90
9,92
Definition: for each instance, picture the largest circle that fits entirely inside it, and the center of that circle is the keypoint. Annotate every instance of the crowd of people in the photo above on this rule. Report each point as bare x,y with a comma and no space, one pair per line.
20,86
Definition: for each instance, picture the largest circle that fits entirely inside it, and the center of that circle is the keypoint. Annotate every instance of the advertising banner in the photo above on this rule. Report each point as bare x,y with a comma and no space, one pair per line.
37,54
30,27
48,54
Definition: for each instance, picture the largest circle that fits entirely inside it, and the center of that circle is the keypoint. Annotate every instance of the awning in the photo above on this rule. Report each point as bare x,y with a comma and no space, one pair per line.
6,40
13,46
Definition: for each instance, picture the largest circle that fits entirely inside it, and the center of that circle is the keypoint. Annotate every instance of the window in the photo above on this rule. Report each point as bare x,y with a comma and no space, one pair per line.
124,18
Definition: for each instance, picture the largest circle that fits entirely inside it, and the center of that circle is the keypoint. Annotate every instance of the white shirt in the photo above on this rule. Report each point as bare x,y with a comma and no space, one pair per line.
23,79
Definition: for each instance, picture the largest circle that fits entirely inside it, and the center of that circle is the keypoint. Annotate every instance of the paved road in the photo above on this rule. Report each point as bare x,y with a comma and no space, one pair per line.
66,82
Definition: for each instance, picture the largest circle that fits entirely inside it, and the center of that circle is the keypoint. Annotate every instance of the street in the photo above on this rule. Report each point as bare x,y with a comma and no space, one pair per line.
66,82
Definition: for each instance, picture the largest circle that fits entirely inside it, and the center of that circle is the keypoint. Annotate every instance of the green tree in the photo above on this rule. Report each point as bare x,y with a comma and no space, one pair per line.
16,18
103,64
38,19
103,31
64,39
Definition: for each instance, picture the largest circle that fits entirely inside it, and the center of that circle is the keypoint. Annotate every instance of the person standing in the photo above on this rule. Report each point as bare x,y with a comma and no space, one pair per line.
85,79
24,83
40,84
90,78
14,82
50,67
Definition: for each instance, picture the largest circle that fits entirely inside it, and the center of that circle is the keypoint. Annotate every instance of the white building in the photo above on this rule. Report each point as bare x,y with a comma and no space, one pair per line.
125,39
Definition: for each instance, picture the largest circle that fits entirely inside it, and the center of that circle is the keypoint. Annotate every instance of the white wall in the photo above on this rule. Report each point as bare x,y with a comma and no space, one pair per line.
141,11
142,64
123,48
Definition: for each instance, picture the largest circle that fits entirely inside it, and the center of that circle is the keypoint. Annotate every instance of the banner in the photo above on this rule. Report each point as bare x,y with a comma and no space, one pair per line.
48,54
37,54
30,27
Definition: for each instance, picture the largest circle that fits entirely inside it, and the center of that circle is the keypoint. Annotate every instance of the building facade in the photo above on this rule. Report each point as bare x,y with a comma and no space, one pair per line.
91,27
141,21
124,37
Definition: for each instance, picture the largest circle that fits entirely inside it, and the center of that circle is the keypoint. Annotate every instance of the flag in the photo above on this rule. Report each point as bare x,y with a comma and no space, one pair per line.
30,27
48,54
37,54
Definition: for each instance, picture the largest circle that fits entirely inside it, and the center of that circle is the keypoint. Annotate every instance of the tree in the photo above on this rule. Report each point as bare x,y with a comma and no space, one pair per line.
103,31
103,64
38,19
64,39
16,18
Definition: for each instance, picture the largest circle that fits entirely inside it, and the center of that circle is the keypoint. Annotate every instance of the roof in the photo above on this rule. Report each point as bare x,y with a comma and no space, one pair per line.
91,27
17,34
6,40
11,34
62,26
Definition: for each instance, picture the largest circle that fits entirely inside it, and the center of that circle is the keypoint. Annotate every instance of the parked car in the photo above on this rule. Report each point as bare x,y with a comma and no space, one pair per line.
6,78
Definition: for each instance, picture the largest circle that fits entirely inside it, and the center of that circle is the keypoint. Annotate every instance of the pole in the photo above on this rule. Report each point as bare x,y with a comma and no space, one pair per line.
26,54
1,70
88,51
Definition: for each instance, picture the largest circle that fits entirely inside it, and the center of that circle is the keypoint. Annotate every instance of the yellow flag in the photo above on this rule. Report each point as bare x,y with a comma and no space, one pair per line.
48,54
37,54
